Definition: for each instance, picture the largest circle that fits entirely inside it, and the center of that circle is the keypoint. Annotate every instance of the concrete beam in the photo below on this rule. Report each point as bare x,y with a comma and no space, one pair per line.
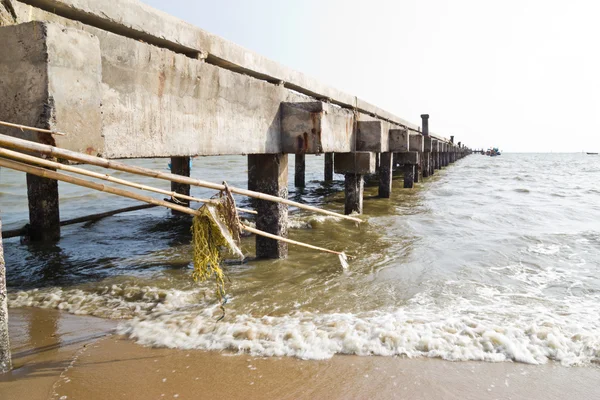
416,143
50,78
372,136
362,162
410,158
136,20
399,140
314,127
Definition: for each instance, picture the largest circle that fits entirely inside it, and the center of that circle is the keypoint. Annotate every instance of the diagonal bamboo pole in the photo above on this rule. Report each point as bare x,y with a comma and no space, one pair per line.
52,164
30,128
25,145
45,173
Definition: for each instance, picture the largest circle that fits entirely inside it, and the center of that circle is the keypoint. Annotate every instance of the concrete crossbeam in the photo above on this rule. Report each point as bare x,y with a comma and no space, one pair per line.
399,140
361,162
416,143
372,136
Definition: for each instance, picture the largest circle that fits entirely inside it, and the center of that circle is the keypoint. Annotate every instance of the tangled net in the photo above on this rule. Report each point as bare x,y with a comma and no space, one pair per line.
215,230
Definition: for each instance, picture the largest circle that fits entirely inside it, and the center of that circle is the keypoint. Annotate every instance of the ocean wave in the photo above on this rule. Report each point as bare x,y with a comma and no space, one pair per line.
320,336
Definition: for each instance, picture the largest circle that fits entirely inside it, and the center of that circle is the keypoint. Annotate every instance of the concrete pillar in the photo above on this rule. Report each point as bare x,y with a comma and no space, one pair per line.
328,167
5,357
409,175
385,174
354,187
416,173
180,166
268,173
300,171
44,215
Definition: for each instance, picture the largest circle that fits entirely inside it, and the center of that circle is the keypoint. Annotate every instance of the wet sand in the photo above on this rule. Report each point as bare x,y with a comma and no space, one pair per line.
62,356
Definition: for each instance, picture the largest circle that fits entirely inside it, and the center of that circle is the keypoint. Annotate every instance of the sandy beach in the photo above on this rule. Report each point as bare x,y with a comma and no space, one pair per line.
61,356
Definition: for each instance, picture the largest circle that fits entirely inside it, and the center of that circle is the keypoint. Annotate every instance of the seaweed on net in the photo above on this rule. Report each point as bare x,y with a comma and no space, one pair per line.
215,230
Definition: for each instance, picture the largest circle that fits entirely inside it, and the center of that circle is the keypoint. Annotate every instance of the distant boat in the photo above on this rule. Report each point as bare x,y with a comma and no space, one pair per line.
591,154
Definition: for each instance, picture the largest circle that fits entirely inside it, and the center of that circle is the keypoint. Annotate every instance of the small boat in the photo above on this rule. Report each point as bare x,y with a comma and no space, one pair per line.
493,152
591,154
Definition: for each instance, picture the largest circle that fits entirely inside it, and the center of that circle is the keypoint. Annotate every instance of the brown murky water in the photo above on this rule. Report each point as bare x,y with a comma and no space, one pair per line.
492,259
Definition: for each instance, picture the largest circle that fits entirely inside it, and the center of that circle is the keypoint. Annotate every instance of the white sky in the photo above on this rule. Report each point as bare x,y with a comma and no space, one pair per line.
523,75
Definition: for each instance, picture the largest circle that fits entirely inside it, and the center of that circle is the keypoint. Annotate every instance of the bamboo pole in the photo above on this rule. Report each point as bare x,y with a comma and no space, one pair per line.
56,152
45,173
290,241
30,128
55,165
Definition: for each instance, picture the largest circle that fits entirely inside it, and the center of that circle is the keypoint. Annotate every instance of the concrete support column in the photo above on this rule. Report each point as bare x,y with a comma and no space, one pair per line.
416,173
385,174
354,186
44,215
5,357
328,167
300,171
268,173
409,175
426,167
180,166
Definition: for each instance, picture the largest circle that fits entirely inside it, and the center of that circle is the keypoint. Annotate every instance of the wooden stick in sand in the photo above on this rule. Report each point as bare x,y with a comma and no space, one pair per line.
56,152
45,173
51,164
29,128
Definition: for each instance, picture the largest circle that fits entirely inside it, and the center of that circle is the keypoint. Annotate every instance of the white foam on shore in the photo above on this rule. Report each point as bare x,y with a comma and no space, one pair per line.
453,320
114,302
403,332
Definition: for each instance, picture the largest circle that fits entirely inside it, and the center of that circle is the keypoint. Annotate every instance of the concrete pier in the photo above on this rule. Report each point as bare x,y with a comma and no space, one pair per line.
354,166
44,214
269,174
180,166
385,174
409,161
354,187
328,167
300,171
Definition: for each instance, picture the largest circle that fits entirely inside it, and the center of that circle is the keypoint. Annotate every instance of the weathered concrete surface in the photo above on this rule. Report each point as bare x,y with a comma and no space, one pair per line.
354,186
399,140
315,127
385,174
361,162
136,20
269,174
409,157
5,357
158,99
372,136
50,78
416,143
181,166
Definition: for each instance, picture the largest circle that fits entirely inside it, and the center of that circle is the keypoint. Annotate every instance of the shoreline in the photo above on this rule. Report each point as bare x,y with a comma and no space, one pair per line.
57,354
